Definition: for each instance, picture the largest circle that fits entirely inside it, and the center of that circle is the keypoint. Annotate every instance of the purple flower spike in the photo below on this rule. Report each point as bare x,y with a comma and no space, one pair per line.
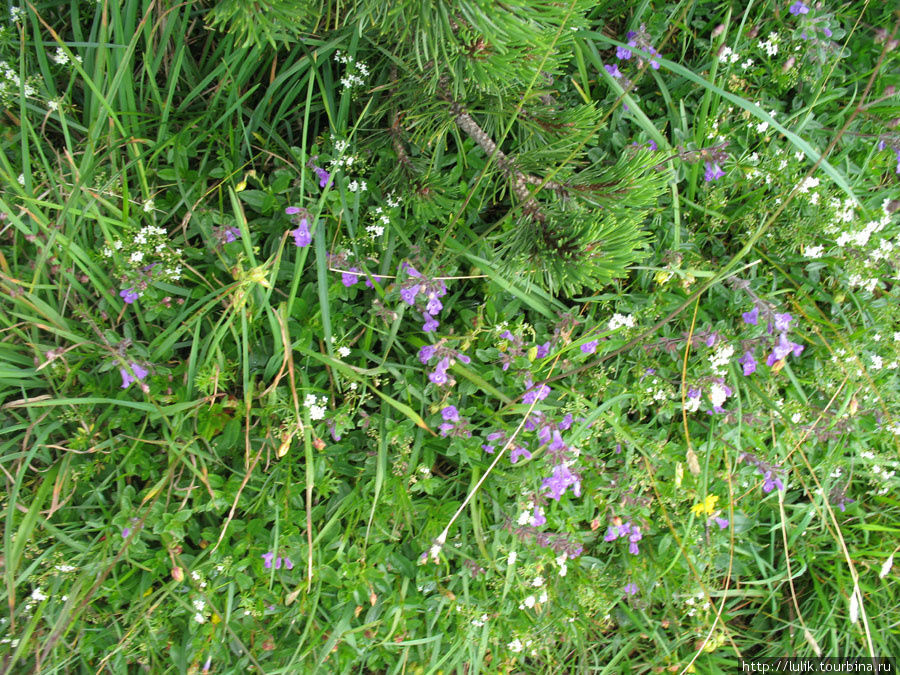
589,347
543,350
798,8
713,172
751,317
630,589
748,362
129,295
450,414
622,53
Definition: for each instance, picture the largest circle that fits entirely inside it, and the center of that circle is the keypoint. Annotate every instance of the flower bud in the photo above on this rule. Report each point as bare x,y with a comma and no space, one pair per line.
717,31
178,574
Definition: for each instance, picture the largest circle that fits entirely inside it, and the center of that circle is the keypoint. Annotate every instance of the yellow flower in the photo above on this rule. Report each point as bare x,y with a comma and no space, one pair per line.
707,506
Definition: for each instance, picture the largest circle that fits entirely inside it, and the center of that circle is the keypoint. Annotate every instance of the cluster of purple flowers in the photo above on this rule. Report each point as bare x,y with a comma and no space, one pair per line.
270,558
129,295
418,288
771,472
783,346
322,174
453,424
638,40
446,358
798,8
626,530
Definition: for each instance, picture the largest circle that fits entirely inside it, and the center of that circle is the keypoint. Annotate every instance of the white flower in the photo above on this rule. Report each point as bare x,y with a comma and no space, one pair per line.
136,257
37,595
746,64
344,352
60,56
813,251
199,604
515,645
52,105
717,394
529,601
524,517
619,320
511,560
538,581
65,568
21,179
148,206
309,400
316,412
16,14
199,618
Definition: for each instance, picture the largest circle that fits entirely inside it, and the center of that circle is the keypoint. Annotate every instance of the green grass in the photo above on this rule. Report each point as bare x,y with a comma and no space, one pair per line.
136,518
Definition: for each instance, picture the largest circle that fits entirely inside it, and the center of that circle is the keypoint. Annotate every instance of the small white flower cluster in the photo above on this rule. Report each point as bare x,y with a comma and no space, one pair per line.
343,160
770,46
16,14
195,575
727,55
382,219
691,603
60,56
10,84
717,394
561,561
806,184
746,64
356,185
657,390
355,72
761,127
394,201
619,320
149,240
720,358
885,477
317,407
479,622
813,251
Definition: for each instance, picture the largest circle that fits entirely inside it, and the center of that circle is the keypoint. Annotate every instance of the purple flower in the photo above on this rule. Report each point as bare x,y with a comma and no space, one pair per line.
557,445
350,277
375,277
324,176
612,533
713,172
450,414
752,316
798,8
613,70
488,448
517,452
693,393
771,482
748,362
302,237
268,557
651,144
881,144
409,293
292,210
630,589
430,324
434,305
438,377
126,532
589,347
425,353
566,422
536,394
721,522
231,234
445,428
827,31
287,563
783,322
542,350
622,53
129,295
410,270
538,518
782,349
127,379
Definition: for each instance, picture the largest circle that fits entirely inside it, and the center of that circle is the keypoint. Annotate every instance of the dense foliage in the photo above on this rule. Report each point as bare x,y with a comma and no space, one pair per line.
447,336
